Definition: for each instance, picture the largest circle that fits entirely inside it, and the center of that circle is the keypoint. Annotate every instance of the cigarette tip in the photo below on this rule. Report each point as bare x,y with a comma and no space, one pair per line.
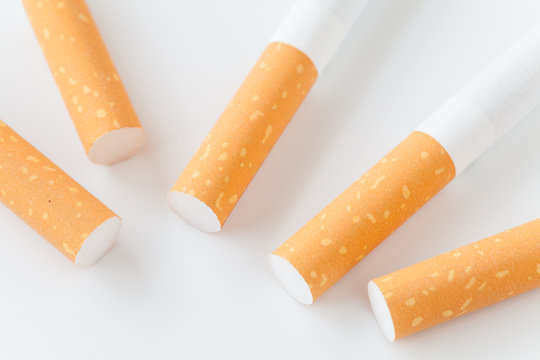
381,311
99,242
193,211
293,282
117,145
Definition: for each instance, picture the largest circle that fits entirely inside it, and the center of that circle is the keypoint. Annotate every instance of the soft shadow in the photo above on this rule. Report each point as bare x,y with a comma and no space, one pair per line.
119,271
282,178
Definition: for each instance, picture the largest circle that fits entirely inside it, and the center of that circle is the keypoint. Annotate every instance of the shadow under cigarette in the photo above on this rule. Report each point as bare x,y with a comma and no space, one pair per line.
296,156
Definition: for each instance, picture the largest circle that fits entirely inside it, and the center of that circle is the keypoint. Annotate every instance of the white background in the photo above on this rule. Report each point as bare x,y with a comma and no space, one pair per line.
168,291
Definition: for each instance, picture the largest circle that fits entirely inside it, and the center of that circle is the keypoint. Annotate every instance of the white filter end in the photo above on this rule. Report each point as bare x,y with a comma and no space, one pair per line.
117,145
98,243
381,311
291,280
194,211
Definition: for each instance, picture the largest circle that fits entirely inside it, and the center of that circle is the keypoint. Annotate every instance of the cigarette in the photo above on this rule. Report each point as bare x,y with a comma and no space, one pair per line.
457,282
87,79
359,219
52,203
216,177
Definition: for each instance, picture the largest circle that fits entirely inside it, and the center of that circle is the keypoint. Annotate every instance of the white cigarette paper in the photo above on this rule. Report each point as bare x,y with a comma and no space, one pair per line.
358,220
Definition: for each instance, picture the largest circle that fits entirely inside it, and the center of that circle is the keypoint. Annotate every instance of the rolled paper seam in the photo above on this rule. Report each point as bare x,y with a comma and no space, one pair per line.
52,203
359,219
87,79
216,177
490,104
318,27
457,282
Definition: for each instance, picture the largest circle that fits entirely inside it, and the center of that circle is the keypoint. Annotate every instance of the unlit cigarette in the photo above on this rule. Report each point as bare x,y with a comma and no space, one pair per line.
52,203
87,78
217,176
457,282
359,219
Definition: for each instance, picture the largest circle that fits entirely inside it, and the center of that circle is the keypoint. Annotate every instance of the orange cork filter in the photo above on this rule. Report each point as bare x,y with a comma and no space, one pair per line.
457,282
52,203
217,176
359,219
87,78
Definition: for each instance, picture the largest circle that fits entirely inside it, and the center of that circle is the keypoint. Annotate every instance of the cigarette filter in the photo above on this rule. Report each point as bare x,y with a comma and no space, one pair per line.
52,203
367,212
457,282
216,177
87,78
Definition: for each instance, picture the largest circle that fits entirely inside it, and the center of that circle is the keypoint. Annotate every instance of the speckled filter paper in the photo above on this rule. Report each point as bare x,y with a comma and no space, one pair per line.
82,68
241,139
463,280
45,197
359,219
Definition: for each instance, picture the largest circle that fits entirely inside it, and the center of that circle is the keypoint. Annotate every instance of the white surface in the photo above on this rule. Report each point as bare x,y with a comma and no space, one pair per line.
490,104
168,291
98,242
316,29
193,211
290,279
116,145
381,311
